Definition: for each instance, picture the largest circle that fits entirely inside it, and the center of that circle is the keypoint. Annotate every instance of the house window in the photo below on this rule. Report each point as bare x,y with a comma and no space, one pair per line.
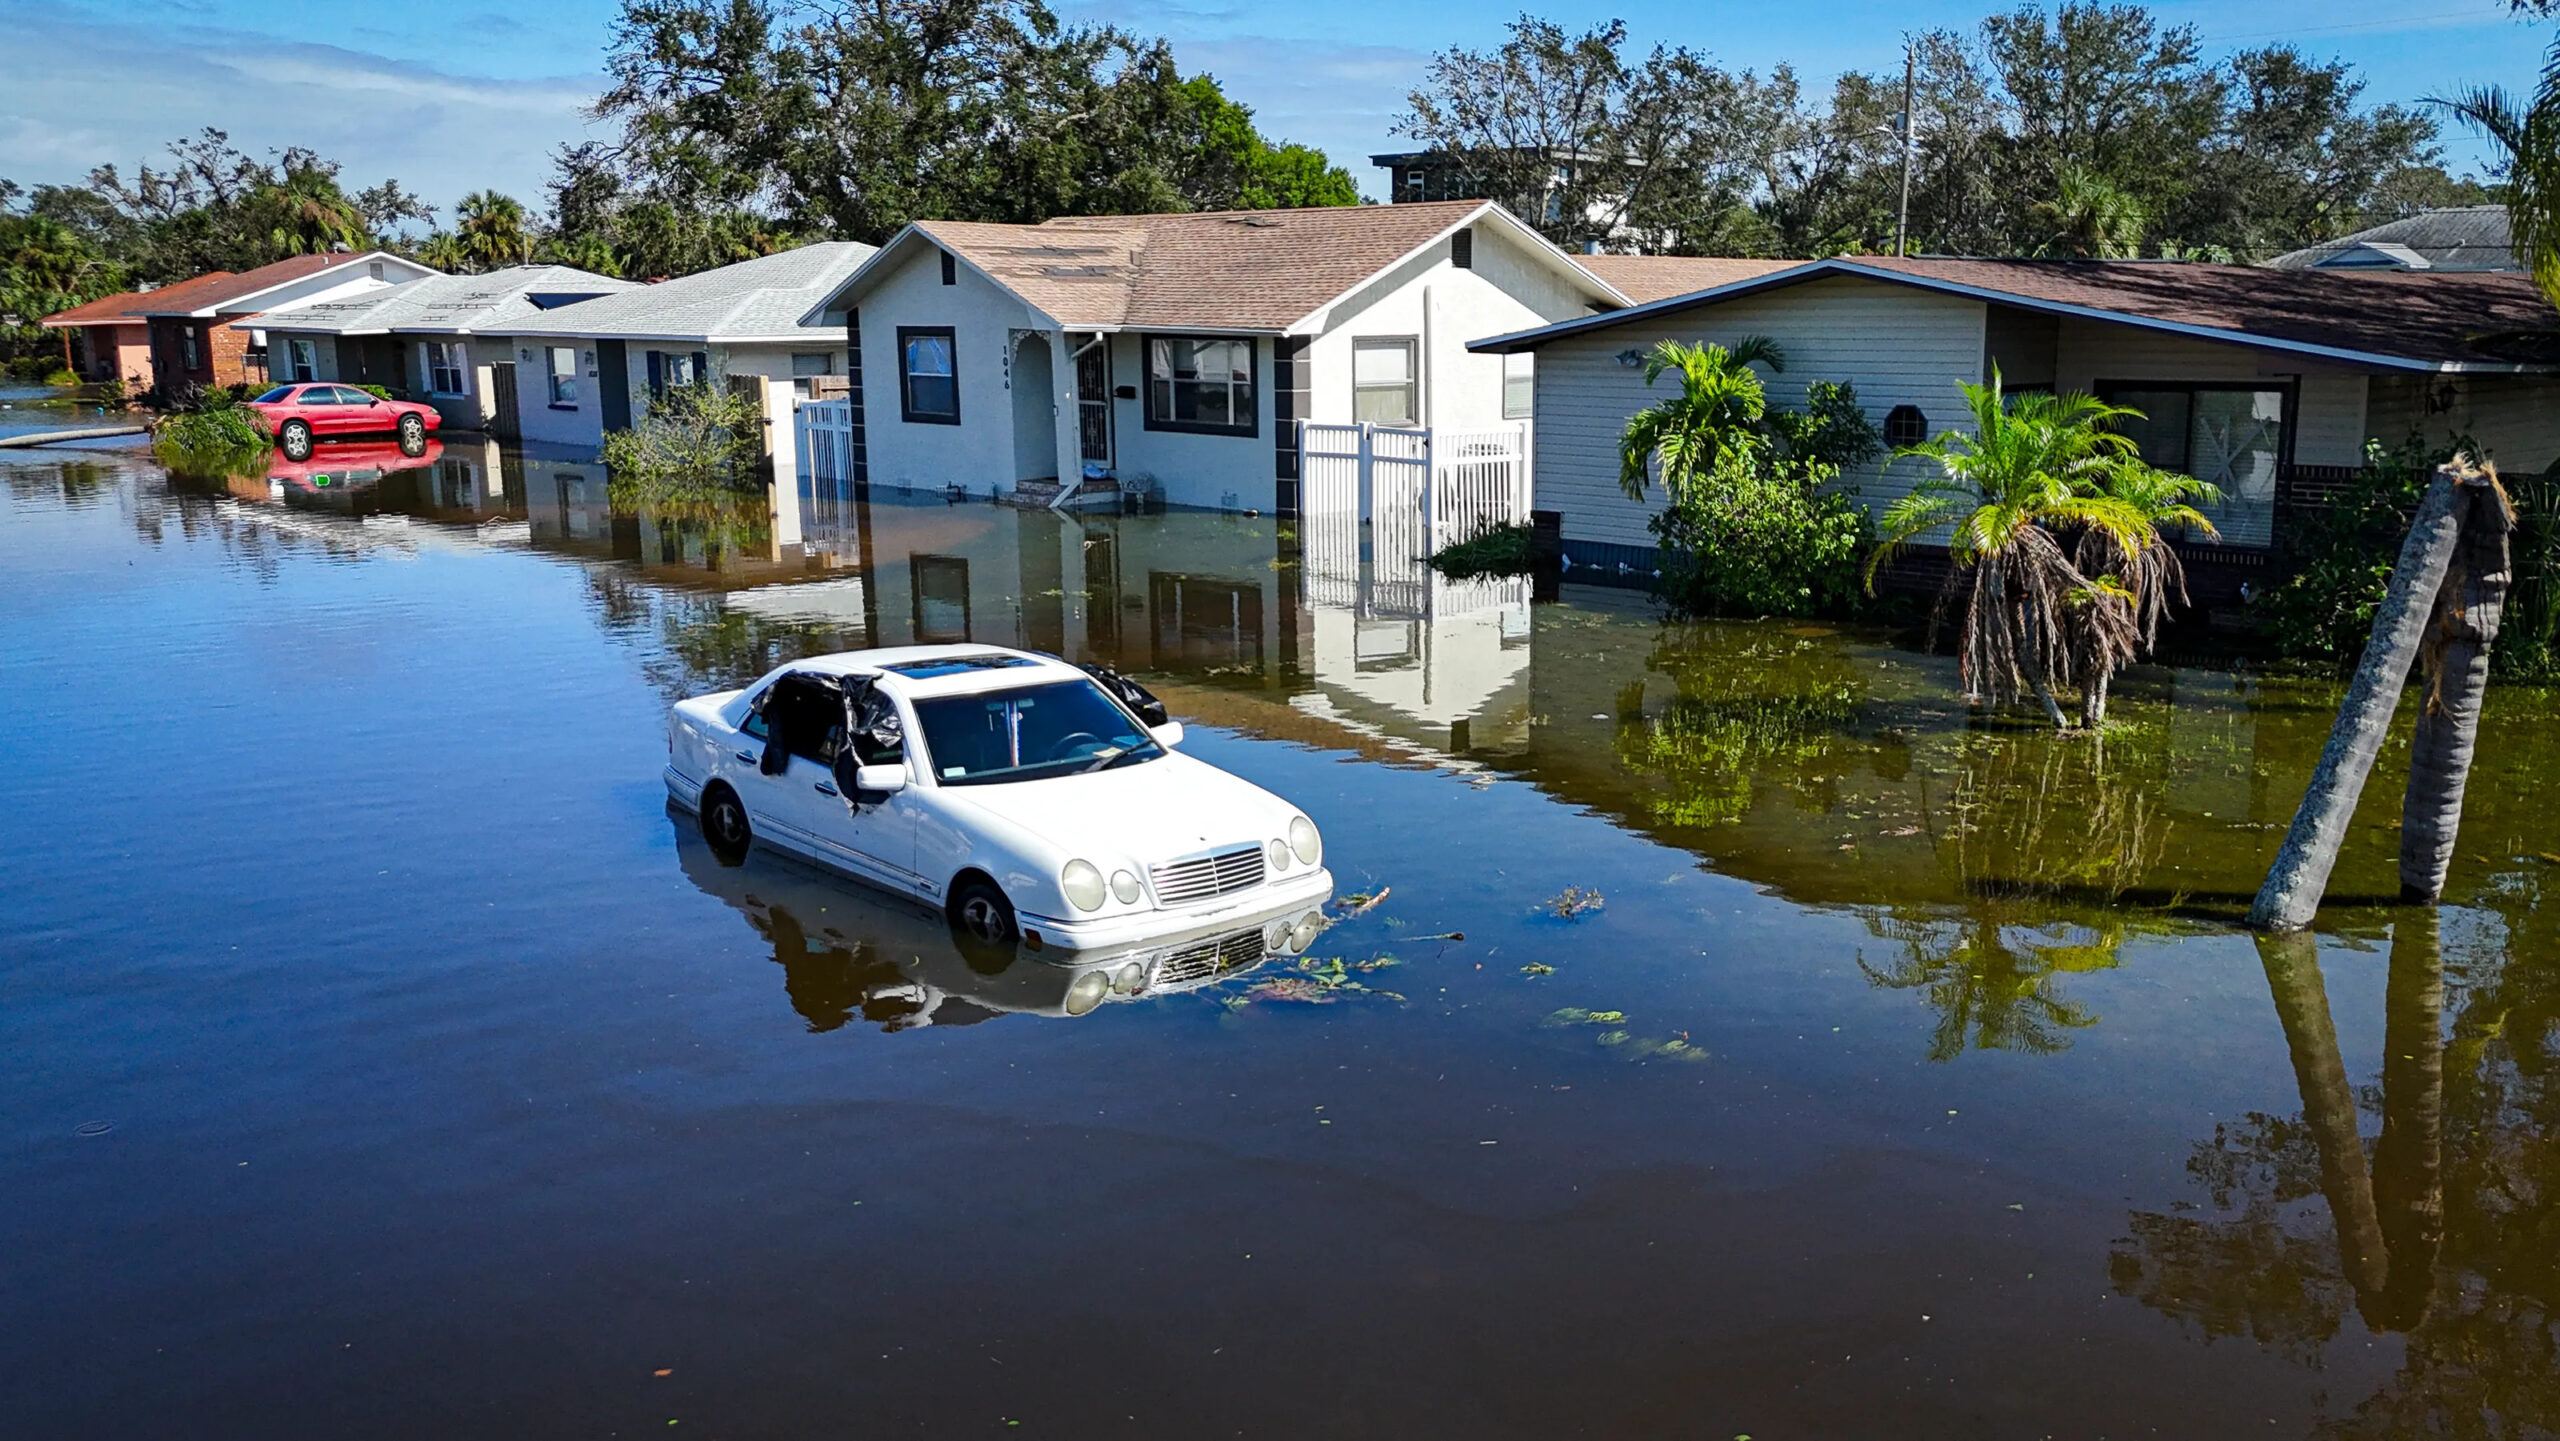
1905,425
669,369
2232,437
941,586
928,376
191,347
1203,384
303,361
1519,385
1415,182
1383,391
806,367
950,269
446,363
564,376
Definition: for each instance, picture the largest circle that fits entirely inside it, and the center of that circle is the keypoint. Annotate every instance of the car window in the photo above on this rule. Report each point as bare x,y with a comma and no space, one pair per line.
276,396
1031,733
347,396
805,715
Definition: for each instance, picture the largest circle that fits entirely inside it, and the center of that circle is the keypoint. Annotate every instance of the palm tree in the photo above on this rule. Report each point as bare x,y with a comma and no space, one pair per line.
2529,134
492,230
2031,468
2092,218
443,250
1716,415
2130,590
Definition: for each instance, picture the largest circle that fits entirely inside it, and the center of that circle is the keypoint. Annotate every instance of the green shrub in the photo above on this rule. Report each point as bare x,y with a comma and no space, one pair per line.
2340,555
696,442
212,441
1760,538
1503,550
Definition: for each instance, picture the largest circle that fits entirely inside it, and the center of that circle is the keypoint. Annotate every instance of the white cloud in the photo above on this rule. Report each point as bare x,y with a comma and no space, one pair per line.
78,91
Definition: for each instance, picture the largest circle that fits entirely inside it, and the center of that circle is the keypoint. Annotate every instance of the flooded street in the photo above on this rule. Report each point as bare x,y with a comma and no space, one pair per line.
1748,1042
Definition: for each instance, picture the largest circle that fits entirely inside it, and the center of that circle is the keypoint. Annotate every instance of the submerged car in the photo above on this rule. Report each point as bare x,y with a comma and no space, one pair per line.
301,415
1022,795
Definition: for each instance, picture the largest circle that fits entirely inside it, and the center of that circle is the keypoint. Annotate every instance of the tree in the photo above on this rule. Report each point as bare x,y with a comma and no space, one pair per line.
2089,217
2527,134
2032,466
2133,586
492,230
1716,414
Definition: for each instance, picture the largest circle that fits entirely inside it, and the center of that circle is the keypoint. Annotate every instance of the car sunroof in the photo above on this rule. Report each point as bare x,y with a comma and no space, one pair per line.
955,665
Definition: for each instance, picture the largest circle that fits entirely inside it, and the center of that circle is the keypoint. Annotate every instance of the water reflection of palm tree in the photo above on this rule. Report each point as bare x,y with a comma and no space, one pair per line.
2250,1274
1994,982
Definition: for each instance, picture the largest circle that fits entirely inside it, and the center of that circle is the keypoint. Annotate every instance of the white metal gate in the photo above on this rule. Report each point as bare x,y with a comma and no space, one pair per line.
825,435
1394,496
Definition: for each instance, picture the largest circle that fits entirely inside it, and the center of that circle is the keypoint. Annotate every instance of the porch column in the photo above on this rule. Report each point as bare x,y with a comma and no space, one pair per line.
1062,375
782,443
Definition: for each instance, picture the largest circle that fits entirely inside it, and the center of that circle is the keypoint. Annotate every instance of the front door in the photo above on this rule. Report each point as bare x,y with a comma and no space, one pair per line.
1093,400
502,401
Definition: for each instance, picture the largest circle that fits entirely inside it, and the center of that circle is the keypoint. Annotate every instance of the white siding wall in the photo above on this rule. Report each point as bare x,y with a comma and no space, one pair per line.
2516,418
978,452
1896,345
2329,423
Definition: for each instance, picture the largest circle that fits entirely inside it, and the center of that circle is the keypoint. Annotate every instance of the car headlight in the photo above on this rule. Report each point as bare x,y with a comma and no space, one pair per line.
1086,991
1129,978
1304,840
1083,885
1124,884
1304,933
1277,856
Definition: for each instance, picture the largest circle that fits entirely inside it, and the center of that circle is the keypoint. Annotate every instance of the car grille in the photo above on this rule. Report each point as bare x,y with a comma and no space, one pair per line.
1201,877
1213,957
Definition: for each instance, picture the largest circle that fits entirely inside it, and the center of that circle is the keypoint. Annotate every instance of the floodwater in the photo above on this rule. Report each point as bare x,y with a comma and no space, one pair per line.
1748,1042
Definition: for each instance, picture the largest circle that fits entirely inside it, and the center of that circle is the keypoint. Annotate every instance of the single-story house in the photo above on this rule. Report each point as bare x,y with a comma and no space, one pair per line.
590,367
106,340
447,340
2452,237
209,330
2265,382
1179,354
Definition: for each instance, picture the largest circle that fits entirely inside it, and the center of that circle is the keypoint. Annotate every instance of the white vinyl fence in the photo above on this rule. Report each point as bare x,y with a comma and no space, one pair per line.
825,434
1393,497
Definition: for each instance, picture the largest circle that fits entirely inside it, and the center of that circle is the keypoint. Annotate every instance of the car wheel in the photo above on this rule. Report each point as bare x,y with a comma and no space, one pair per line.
413,435
295,437
724,825
980,911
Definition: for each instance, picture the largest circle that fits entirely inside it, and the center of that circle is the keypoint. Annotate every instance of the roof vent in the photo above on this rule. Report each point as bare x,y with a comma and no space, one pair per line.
1258,222
1462,249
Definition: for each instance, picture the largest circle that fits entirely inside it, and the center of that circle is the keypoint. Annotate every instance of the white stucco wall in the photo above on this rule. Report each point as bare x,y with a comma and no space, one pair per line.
580,424
978,452
1896,345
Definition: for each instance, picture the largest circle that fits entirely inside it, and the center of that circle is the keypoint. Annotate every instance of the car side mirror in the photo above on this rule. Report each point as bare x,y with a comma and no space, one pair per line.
1167,735
880,780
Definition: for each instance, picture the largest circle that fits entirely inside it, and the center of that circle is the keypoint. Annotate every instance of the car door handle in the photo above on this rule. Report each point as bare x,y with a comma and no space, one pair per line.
825,790
742,755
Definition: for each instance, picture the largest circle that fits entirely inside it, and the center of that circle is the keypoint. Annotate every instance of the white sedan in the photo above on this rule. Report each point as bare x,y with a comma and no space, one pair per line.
1023,795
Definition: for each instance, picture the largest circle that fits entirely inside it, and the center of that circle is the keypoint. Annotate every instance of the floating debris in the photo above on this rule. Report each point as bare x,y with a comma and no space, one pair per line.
1574,902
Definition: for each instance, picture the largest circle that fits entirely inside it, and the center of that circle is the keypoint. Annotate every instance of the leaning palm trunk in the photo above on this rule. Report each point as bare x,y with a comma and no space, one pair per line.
2455,661
2291,893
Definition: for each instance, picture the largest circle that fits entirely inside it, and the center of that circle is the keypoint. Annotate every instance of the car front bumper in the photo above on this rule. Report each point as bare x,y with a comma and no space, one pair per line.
1297,891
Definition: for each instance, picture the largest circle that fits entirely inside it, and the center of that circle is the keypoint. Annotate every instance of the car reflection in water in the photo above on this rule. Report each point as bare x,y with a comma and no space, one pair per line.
846,951
348,467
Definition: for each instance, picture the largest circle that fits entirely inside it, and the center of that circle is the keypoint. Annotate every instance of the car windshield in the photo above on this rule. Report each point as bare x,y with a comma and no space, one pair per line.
276,396
1033,733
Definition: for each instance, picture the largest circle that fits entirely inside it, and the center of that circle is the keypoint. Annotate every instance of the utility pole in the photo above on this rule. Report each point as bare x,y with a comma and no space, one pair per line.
1902,220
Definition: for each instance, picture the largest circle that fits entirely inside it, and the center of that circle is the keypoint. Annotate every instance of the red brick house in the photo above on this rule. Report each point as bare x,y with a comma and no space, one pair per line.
205,331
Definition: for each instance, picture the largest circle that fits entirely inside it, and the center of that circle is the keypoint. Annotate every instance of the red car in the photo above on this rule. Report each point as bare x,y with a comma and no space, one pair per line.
301,415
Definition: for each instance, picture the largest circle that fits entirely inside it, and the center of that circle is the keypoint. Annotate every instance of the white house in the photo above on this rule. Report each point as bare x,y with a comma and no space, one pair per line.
446,339
1179,353
587,368
2265,382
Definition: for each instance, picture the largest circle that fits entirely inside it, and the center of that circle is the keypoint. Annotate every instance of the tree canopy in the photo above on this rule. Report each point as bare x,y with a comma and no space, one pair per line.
2090,129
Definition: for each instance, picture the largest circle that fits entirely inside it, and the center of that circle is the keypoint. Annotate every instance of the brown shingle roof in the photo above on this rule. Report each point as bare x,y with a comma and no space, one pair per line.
1226,270
207,292
1655,277
124,309
2404,319
2414,315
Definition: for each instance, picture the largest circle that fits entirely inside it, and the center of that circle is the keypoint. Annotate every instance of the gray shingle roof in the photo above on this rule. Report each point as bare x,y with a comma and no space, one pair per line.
2461,237
495,303
760,299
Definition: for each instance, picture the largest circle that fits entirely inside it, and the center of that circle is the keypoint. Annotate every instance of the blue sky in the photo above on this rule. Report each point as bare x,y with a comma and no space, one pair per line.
449,95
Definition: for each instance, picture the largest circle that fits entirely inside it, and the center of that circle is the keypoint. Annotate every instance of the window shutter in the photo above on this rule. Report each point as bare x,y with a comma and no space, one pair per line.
1462,249
657,375
702,367
950,269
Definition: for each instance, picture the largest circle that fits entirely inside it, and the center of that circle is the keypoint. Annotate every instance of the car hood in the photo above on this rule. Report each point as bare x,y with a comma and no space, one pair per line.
1147,813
